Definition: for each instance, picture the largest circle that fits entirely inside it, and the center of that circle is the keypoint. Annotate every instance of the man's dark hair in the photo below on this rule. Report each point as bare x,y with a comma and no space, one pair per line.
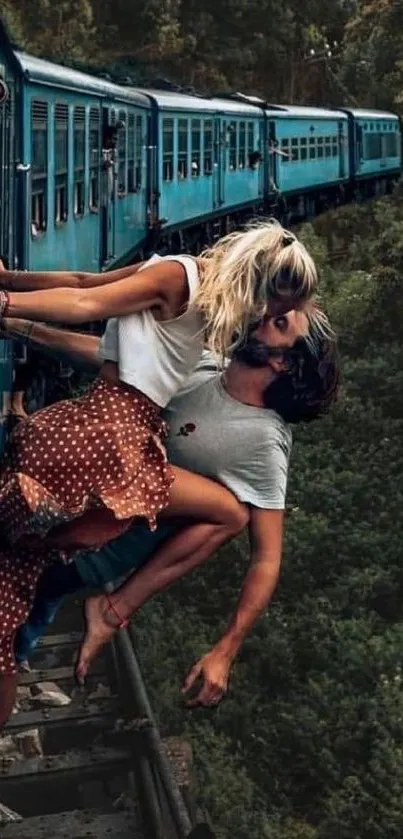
310,387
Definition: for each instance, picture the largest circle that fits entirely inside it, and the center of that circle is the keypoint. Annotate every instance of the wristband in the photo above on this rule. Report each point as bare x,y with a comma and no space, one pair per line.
4,303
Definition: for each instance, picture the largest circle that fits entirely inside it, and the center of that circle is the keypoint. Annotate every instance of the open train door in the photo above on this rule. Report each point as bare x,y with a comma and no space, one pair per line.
9,82
219,158
108,185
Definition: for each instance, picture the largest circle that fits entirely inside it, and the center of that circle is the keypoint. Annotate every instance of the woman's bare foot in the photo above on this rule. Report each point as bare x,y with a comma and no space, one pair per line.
101,623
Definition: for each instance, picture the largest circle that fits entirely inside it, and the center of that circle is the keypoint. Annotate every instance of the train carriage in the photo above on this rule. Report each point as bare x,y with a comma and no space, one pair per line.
85,199
311,153
202,164
374,150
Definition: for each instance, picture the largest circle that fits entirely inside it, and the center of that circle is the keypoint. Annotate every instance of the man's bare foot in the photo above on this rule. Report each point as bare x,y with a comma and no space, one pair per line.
101,624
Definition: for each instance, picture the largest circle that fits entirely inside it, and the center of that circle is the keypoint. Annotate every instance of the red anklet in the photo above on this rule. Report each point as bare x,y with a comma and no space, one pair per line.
123,622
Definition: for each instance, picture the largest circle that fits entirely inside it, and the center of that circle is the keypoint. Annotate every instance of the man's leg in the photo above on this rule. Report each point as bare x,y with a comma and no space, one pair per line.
56,582
93,570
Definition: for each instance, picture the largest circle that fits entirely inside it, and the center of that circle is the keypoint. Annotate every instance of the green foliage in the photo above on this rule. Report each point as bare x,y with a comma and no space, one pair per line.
308,744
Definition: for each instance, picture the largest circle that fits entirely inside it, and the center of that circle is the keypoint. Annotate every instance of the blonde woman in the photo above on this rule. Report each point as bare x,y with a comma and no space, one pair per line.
76,474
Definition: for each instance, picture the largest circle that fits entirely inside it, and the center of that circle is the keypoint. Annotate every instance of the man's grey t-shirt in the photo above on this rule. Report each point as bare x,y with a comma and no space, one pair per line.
245,448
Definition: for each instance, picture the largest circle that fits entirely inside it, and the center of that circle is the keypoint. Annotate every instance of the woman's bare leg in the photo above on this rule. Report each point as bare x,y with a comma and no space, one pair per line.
192,496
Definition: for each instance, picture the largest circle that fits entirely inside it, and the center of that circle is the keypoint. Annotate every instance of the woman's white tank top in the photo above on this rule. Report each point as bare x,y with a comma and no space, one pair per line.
156,357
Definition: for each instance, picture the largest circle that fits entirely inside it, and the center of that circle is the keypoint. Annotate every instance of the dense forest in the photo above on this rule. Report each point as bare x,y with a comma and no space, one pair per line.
301,51
309,742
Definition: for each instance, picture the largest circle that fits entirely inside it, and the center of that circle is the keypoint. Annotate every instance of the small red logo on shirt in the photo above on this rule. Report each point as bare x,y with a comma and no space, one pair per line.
186,429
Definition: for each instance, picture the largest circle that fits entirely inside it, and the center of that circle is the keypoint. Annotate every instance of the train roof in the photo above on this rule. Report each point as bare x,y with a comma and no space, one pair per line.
290,111
46,73
170,100
363,113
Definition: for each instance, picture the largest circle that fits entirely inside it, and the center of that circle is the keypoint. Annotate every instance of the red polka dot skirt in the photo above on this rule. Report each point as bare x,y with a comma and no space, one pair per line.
66,464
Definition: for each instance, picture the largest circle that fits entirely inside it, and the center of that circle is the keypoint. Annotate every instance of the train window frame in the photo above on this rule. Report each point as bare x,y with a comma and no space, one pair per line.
183,148
168,124
294,149
195,153
242,141
79,127
373,146
390,148
251,136
232,143
139,143
39,175
285,148
94,156
131,153
121,154
208,135
61,142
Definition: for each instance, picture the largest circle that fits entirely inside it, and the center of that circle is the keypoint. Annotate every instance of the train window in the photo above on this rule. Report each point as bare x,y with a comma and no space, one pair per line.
139,151
61,162
371,126
167,149
328,147
79,160
312,148
390,147
285,157
365,126
335,146
39,165
242,145
373,146
294,148
232,142
122,153
208,146
251,137
94,152
303,151
131,153
320,147
183,148
196,147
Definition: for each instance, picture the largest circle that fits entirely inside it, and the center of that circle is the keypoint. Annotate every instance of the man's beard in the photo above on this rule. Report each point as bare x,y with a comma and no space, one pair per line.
254,353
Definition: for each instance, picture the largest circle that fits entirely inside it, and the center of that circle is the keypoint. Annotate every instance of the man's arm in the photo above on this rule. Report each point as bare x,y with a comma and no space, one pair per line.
266,539
79,348
40,280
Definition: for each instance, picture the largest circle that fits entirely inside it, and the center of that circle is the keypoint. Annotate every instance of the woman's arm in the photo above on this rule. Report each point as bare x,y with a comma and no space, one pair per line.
36,280
161,286
79,348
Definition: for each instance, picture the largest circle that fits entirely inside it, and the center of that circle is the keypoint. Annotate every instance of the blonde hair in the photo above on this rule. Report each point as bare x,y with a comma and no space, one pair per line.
319,327
242,272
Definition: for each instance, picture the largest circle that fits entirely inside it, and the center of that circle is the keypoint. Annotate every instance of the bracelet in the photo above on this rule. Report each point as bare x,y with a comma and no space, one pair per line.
4,303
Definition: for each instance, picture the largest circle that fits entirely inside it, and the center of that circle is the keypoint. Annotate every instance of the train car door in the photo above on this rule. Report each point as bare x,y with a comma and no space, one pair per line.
7,226
218,160
342,150
272,155
7,171
108,184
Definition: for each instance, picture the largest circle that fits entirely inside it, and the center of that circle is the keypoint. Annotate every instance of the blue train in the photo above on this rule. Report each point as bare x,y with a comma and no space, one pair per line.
95,174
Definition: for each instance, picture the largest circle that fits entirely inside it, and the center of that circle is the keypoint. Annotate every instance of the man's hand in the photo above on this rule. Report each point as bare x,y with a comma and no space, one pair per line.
214,669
